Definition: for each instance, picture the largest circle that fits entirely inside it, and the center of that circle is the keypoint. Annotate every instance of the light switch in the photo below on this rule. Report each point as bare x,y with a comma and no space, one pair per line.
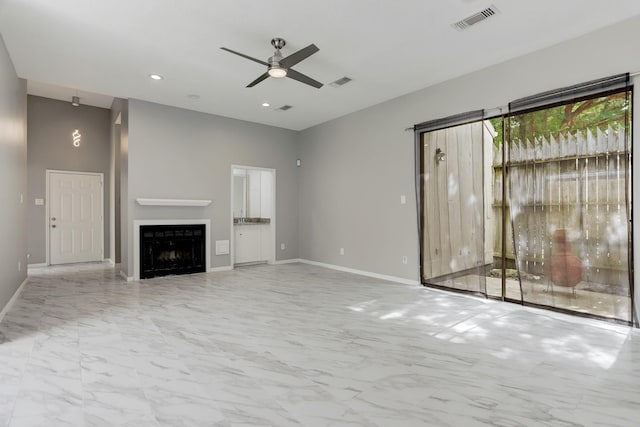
39,202
403,200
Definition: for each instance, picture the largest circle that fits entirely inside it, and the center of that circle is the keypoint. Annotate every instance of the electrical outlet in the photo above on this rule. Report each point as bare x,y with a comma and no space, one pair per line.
404,259
282,246
403,200
341,251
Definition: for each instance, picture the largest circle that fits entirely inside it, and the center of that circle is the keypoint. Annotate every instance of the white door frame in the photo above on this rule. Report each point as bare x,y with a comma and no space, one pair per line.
272,257
48,198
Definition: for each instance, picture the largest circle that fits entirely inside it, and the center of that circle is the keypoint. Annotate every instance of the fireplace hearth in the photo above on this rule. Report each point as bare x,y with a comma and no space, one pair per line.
172,249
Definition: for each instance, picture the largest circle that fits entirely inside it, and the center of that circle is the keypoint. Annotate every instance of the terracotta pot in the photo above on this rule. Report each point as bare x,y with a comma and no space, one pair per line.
566,268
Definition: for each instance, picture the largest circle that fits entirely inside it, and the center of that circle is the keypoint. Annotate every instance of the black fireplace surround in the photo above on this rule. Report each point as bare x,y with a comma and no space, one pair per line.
172,249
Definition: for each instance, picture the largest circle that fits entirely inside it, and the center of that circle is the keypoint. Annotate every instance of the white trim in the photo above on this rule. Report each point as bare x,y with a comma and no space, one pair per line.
288,261
125,277
272,222
38,265
362,272
136,238
635,199
48,173
109,261
173,202
223,268
13,299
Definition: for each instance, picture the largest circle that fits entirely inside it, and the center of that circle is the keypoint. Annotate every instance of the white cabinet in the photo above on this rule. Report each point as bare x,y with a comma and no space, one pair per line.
248,244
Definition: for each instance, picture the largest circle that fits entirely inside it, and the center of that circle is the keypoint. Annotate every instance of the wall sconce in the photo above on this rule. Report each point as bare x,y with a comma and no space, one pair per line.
76,138
75,101
440,155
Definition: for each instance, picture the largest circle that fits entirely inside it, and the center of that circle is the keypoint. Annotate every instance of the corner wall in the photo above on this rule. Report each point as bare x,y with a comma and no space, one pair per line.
355,168
13,178
120,147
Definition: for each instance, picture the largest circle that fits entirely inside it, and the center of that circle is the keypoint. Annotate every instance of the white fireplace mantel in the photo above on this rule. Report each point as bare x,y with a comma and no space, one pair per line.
173,202
136,238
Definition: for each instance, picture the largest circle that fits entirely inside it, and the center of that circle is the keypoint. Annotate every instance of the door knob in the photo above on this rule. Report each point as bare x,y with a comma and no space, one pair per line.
53,218
53,226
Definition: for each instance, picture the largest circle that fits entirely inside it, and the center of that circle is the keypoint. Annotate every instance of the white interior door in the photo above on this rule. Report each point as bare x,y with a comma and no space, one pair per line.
75,217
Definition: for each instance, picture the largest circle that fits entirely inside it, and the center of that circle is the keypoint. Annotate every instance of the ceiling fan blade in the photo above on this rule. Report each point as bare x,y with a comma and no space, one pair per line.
303,79
258,80
245,56
298,56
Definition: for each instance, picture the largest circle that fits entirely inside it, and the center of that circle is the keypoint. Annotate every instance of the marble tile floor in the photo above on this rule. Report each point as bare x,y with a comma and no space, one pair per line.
299,345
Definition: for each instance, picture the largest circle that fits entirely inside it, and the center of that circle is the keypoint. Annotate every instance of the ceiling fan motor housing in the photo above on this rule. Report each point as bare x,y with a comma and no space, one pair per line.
278,43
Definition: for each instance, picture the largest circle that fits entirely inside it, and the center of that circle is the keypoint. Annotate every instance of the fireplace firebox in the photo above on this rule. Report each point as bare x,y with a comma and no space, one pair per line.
172,249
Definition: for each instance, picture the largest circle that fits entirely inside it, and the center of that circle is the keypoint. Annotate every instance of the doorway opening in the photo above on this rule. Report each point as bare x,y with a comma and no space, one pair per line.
253,215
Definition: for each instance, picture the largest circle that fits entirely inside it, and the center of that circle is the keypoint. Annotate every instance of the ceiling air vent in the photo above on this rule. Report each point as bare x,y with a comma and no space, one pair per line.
285,108
475,18
340,82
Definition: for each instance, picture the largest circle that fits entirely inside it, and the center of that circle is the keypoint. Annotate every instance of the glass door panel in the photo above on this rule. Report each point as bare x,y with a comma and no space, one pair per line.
569,201
458,230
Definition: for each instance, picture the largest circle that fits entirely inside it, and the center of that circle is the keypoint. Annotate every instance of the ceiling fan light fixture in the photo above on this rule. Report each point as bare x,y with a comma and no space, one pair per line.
277,72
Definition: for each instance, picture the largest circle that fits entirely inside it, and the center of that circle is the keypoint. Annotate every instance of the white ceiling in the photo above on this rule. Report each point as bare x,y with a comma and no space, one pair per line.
388,48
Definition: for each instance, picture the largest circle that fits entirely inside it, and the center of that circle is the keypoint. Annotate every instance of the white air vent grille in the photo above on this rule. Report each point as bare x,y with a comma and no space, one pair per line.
476,17
285,107
340,82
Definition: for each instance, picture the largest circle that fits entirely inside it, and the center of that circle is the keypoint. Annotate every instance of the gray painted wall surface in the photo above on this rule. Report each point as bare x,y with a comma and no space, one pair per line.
116,135
50,125
176,153
355,168
13,178
121,106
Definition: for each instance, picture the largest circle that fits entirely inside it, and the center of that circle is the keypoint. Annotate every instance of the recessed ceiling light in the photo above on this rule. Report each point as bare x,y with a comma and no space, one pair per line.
155,76
193,96
265,104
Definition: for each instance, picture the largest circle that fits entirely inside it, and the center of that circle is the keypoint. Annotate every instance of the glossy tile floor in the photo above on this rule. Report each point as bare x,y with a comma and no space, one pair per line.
298,345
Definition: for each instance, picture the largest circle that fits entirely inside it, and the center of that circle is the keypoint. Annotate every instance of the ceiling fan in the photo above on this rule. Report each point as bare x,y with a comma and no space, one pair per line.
279,67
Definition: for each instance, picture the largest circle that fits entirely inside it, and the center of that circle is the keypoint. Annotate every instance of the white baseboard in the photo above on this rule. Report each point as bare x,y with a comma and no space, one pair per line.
125,277
223,268
38,265
13,299
110,262
288,261
362,272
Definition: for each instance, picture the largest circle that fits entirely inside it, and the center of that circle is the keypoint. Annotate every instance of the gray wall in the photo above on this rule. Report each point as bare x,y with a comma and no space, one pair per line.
176,153
50,125
13,178
120,139
118,133
355,168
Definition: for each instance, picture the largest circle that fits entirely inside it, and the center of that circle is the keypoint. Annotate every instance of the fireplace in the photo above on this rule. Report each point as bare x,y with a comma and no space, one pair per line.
172,249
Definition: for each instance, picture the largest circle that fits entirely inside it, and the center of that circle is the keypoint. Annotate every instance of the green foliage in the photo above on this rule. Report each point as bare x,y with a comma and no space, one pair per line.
591,114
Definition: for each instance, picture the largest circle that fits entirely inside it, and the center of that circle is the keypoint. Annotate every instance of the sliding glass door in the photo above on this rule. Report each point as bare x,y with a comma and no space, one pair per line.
457,233
533,206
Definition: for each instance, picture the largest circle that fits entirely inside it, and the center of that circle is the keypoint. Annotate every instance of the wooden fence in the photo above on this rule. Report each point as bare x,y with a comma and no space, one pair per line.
577,182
